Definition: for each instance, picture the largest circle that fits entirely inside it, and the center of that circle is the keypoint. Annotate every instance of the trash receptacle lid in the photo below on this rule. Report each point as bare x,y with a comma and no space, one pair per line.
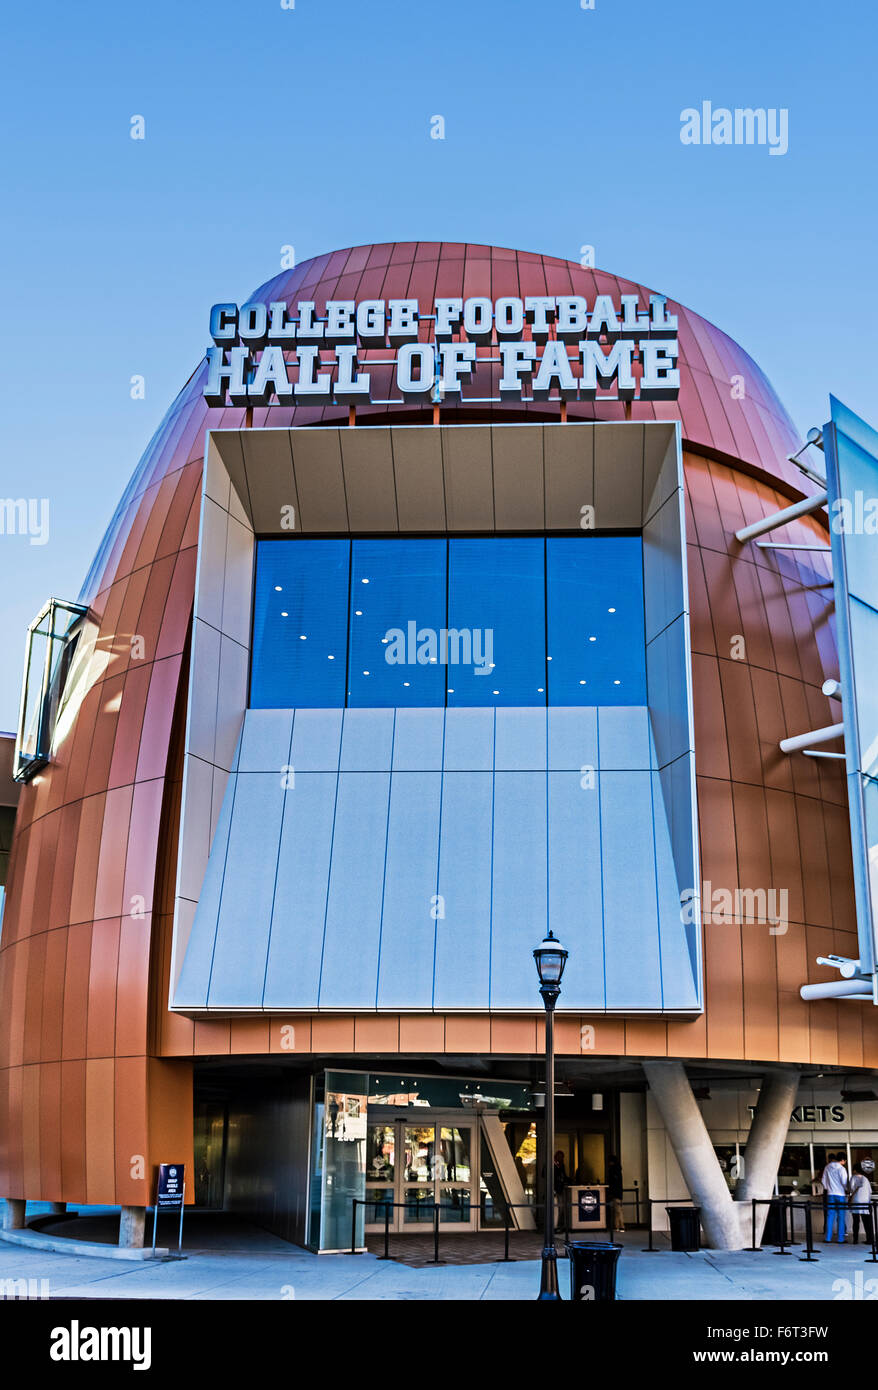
591,1245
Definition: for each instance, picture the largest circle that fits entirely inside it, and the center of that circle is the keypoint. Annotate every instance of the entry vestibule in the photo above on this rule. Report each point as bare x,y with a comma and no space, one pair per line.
414,1163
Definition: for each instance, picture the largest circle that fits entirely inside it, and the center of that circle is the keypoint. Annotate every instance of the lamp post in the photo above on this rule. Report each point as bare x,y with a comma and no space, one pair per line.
551,958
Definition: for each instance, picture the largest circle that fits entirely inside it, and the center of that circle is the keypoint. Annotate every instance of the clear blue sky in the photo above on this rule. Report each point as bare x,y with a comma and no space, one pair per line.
310,126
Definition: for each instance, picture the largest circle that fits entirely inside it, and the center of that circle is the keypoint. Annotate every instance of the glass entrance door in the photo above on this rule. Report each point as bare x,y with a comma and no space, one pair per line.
417,1165
418,1176
455,1177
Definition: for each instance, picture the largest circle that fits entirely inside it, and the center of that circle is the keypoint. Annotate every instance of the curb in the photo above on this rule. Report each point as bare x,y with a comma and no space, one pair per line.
67,1245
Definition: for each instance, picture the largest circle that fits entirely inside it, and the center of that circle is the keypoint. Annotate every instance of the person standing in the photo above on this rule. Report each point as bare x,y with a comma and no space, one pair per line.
860,1197
615,1192
835,1184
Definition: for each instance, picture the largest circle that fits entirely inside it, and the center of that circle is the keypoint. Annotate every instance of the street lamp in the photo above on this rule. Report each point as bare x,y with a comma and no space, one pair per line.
551,958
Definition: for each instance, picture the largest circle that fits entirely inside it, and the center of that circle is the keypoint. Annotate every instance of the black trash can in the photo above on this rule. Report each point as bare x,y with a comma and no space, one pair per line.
592,1270
685,1227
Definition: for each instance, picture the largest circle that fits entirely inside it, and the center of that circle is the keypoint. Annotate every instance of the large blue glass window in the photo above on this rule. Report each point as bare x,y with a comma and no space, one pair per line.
397,608
300,624
596,653
469,621
497,622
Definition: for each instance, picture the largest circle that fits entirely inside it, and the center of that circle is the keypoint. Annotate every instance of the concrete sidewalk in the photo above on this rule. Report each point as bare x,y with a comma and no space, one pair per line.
269,1269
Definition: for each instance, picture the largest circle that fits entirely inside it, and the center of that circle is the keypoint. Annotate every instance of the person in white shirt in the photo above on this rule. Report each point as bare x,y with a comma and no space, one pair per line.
835,1184
860,1197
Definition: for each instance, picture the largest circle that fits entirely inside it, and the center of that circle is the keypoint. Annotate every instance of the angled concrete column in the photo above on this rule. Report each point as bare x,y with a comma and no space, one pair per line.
13,1215
765,1142
699,1164
132,1225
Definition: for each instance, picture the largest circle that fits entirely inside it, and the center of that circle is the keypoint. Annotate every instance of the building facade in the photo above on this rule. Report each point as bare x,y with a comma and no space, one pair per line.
424,626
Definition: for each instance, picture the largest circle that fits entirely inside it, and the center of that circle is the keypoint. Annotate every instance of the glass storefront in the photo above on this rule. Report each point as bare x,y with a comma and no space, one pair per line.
794,1173
523,1139
344,1158
409,1147
727,1157
371,1143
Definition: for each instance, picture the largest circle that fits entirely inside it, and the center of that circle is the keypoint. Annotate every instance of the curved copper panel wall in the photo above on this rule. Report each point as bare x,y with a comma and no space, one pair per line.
87,1077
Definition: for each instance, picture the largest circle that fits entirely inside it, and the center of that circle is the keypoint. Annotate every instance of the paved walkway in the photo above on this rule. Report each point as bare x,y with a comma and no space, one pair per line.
250,1264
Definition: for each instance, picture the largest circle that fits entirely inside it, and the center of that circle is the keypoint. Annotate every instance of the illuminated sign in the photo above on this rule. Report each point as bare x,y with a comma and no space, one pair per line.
542,347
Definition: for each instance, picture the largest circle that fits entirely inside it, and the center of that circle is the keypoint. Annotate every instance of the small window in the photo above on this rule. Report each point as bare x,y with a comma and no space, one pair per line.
51,643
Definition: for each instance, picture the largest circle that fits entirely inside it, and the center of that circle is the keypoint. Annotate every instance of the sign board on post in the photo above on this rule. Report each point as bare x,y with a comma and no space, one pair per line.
169,1188
588,1207
170,1195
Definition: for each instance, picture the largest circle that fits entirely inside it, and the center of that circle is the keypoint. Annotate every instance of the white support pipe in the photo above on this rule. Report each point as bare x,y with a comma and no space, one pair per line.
788,545
798,741
768,523
838,989
845,965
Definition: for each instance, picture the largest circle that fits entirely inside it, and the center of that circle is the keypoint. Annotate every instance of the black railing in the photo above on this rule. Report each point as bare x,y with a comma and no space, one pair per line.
786,1206
508,1208
387,1208
608,1203
514,1206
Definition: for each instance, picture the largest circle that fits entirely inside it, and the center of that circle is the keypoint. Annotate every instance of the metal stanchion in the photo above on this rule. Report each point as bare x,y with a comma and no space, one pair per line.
781,1250
506,1233
873,1258
754,1248
636,1203
388,1207
650,1249
809,1255
792,1204
436,1260
354,1202
611,1217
